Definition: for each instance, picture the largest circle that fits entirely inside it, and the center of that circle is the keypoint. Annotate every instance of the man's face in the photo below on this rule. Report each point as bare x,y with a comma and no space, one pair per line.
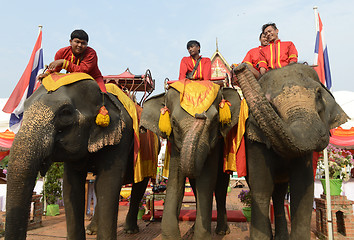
271,33
194,50
264,40
78,46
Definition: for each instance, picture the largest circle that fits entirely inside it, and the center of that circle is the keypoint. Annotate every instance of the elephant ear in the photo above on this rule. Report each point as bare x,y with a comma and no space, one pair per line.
233,97
112,134
333,114
151,114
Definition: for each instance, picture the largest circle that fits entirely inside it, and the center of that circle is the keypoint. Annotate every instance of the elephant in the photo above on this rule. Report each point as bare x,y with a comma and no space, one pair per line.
196,153
60,126
131,225
291,114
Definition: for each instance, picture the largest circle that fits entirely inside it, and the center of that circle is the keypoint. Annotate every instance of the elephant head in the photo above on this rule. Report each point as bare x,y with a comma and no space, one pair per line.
192,136
290,109
57,126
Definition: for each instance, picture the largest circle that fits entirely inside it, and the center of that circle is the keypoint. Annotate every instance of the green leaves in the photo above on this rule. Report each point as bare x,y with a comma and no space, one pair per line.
53,183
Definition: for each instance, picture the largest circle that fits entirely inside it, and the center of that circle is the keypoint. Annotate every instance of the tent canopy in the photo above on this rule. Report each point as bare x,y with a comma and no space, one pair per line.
343,138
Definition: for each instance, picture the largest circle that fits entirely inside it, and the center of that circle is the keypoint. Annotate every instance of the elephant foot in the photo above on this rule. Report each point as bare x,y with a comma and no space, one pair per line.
91,229
131,229
90,232
222,230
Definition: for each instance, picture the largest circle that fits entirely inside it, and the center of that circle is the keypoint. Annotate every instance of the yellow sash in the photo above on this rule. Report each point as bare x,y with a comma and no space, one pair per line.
149,150
166,164
129,105
233,139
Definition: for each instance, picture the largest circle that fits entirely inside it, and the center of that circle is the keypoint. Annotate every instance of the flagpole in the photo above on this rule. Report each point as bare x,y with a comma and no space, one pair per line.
44,178
325,160
317,26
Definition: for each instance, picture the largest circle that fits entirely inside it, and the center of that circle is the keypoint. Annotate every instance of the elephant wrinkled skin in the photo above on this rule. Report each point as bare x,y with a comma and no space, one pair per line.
60,126
196,153
291,114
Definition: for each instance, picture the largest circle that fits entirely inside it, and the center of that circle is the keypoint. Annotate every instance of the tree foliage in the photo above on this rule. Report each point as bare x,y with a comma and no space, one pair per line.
53,183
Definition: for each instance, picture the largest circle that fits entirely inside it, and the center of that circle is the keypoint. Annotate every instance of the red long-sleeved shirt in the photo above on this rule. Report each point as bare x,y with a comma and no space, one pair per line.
277,54
203,71
86,63
252,57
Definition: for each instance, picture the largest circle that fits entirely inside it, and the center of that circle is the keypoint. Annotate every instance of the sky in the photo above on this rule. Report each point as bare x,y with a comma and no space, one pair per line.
142,35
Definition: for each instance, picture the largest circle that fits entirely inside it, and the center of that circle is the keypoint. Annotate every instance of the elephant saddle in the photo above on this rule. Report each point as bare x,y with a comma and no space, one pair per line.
196,96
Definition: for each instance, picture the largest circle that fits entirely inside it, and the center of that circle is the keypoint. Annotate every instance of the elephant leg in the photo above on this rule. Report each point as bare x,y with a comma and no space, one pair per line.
91,229
261,183
301,202
205,185
137,194
192,182
193,186
281,226
111,166
173,200
222,228
74,200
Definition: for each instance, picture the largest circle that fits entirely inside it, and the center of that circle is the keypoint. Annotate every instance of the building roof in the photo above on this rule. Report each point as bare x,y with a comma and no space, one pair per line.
219,66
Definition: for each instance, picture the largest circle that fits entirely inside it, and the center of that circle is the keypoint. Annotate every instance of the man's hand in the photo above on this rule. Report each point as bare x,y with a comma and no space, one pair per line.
41,76
262,70
55,64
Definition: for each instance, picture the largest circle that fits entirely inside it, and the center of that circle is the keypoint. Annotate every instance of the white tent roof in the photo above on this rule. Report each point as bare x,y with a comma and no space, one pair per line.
346,100
4,117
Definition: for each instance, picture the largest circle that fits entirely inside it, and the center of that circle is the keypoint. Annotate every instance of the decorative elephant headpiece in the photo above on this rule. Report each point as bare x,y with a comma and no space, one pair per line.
66,96
194,98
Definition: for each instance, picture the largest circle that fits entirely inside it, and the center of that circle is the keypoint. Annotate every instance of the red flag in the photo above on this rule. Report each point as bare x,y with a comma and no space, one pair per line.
321,54
25,86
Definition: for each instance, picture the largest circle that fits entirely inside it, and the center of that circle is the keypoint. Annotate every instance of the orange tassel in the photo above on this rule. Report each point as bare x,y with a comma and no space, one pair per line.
102,118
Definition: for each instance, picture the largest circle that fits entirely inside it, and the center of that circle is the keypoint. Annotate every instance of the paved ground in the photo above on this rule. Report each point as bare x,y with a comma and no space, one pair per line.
55,227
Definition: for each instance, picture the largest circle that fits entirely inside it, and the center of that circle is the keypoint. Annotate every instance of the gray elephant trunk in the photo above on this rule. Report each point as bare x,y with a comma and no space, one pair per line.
194,149
26,158
284,137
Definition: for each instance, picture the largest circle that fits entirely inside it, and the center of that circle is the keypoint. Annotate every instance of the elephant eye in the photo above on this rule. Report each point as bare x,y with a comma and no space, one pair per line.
318,94
65,116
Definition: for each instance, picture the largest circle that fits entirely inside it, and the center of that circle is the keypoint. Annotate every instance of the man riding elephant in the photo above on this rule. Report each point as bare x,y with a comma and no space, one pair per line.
195,67
78,57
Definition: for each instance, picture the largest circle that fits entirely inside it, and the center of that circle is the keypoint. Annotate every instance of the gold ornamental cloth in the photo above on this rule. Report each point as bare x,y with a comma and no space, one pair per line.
196,96
55,80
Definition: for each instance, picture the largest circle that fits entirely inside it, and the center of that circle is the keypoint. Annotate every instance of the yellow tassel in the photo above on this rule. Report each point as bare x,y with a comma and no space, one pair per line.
164,121
224,112
102,118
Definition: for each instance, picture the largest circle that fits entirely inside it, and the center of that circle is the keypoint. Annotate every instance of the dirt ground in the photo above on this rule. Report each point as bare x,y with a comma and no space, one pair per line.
54,227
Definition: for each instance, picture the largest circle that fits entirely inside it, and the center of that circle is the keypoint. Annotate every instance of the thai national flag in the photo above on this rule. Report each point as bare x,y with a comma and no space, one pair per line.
321,55
25,86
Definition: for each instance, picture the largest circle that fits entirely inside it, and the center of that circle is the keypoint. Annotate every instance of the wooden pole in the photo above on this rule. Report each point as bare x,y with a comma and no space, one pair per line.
325,160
